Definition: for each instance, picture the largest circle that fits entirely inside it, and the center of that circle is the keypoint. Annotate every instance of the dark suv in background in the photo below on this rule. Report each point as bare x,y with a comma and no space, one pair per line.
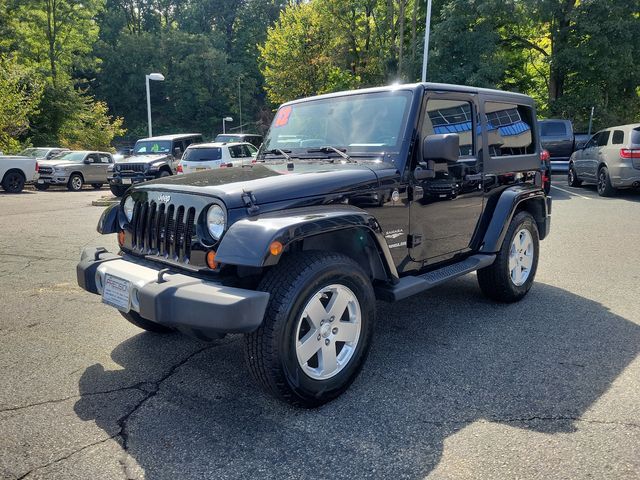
151,158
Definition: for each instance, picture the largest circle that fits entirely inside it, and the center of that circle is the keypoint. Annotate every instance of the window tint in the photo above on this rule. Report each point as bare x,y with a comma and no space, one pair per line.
551,129
105,159
202,154
603,138
450,116
635,136
236,151
252,150
94,157
509,129
618,137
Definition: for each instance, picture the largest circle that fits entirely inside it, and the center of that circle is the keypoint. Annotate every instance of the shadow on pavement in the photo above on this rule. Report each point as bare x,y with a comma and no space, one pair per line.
440,361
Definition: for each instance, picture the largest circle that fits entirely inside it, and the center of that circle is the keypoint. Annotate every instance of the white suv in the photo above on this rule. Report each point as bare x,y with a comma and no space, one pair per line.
207,156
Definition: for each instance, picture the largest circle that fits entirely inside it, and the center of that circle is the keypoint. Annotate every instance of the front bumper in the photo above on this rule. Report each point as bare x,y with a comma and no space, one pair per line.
202,308
52,180
128,180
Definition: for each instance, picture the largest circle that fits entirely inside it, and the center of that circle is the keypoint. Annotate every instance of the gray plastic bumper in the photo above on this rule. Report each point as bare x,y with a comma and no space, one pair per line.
201,308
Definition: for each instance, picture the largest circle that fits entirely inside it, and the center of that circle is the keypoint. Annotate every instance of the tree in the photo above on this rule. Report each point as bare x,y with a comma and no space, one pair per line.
20,94
90,128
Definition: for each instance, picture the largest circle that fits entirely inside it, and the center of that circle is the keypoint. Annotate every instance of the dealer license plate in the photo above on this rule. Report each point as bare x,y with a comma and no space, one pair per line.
126,181
116,292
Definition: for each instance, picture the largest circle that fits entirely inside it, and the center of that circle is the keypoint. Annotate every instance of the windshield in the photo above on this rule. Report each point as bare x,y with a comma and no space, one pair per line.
34,152
227,138
152,146
72,157
202,154
368,122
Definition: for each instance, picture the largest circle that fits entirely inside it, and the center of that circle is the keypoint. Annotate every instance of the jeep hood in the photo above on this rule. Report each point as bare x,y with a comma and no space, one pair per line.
145,158
273,183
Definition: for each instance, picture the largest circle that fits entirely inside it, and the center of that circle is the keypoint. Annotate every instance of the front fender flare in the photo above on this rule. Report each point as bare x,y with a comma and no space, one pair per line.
247,241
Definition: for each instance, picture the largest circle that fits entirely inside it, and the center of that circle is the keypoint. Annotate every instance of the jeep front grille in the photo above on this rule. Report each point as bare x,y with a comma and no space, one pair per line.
163,229
132,167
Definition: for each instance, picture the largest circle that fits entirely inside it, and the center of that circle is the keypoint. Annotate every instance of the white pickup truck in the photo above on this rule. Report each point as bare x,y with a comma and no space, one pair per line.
15,171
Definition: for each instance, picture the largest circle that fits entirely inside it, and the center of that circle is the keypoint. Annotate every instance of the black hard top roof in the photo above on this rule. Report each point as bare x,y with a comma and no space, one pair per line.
436,87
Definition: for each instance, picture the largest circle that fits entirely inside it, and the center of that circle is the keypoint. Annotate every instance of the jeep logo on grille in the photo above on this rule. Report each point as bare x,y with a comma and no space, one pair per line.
164,198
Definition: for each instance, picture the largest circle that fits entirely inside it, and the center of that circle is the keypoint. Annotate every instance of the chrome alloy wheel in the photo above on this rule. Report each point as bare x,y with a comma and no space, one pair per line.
328,331
602,181
521,257
76,183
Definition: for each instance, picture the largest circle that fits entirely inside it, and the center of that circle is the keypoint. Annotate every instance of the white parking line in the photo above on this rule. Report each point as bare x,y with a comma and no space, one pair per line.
570,193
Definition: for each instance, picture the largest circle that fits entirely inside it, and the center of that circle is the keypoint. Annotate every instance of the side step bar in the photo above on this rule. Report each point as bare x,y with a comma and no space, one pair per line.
408,286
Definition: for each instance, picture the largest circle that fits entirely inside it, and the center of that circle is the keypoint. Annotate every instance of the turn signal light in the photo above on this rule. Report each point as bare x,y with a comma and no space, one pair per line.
275,248
629,153
121,238
179,169
211,260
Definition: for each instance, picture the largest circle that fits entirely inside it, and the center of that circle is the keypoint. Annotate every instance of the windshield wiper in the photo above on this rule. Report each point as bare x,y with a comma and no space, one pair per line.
277,151
329,149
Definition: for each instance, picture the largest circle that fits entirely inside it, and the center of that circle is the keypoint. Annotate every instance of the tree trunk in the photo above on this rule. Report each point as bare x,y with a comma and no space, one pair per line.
51,37
560,30
414,18
403,4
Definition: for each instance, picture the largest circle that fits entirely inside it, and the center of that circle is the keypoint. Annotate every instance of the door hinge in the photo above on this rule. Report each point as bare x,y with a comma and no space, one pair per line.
413,240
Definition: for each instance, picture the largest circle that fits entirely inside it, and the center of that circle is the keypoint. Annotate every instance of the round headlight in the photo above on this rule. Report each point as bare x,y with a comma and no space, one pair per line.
216,220
128,208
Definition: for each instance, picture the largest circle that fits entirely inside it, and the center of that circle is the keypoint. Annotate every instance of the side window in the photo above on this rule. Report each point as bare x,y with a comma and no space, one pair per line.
509,129
603,138
593,141
95,158
618,137
235,151
178,144
451,116
245,151
105,159
252,150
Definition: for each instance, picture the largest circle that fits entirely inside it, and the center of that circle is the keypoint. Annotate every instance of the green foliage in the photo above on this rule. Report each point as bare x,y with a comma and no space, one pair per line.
90,127
19,97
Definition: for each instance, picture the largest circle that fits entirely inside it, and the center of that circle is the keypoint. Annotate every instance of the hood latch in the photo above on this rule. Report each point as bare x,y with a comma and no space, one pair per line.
250,202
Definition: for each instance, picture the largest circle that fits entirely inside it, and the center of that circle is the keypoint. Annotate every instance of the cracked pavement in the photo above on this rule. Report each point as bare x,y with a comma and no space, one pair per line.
455,386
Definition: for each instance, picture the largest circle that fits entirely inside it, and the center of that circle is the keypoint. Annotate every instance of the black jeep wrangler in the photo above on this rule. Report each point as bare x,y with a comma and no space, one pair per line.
356,196
152,157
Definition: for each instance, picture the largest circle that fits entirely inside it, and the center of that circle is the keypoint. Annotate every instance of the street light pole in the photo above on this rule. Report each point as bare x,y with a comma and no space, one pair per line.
154,76
225,119
240,104
427,31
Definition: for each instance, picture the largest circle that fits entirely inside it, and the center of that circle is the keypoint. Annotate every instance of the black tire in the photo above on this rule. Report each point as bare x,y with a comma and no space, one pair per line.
97,186
13,181
163,173
42,186
605,189
75,183
138,321
495,280
118,190
271,350
572,178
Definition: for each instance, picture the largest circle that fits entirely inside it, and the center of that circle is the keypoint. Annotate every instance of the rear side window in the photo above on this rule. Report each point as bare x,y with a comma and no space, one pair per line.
202,154
635,136
603,138
236,151
553,129
618,137
509,129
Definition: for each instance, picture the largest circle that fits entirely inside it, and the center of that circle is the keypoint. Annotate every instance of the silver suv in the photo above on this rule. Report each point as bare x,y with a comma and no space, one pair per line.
610,159
74,169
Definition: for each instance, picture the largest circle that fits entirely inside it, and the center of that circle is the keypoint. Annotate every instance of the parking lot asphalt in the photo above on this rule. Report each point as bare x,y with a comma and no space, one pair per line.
455,387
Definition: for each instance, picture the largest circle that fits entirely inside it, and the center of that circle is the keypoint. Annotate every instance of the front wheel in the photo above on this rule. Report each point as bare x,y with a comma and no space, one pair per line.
572,178
510,277
75,182
317,328
118,190
42,186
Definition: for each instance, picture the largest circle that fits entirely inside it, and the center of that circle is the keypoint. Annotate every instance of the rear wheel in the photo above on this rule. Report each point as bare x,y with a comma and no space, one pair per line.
163,173
118,190
138,321
605,189
317,328
510,277
572,178
42,186
97,186
75,182
13,182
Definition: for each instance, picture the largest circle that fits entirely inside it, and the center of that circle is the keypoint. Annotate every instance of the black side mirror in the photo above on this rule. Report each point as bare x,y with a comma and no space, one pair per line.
87,161
441,147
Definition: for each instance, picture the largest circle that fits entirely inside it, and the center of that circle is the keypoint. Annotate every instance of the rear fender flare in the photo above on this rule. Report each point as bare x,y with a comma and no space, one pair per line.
512,200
